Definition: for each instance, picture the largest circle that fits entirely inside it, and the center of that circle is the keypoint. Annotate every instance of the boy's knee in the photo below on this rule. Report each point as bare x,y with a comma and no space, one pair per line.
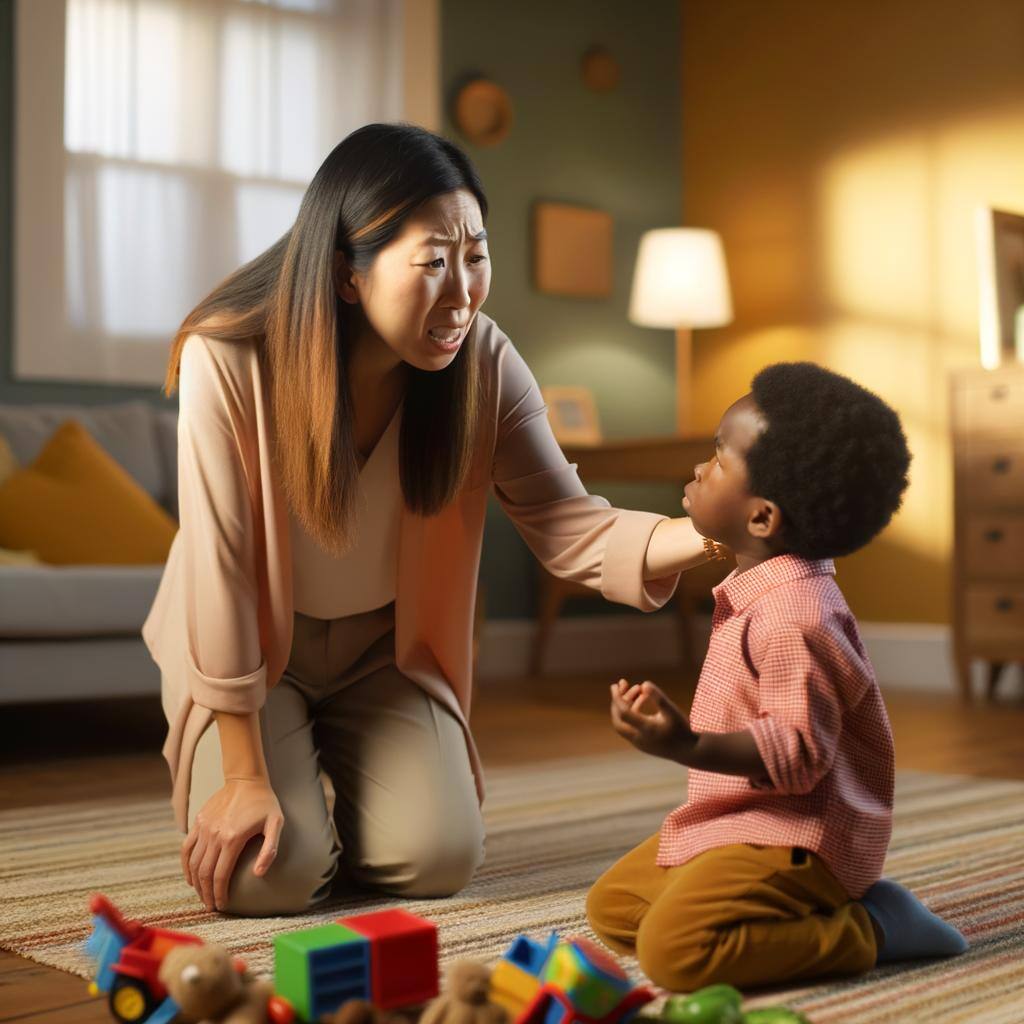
291,885
674,970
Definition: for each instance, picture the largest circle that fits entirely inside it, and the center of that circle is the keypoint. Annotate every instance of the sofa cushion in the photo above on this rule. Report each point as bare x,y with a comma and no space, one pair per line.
76,505
76,600
166,422
125,430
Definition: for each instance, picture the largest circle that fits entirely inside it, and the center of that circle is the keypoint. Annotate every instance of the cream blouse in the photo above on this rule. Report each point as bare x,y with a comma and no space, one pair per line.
329,586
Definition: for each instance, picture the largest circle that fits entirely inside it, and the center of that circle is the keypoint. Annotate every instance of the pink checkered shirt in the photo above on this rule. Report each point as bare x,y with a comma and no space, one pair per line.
786,661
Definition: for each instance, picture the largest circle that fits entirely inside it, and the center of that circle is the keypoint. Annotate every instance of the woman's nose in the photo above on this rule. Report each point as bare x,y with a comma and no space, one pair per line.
457,290
697,470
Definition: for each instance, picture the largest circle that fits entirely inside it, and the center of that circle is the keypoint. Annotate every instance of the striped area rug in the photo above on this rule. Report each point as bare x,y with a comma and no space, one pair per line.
552,829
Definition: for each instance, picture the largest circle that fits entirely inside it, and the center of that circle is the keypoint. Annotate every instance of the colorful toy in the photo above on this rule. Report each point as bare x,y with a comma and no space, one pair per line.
388,958
128,956
572,981
719,1004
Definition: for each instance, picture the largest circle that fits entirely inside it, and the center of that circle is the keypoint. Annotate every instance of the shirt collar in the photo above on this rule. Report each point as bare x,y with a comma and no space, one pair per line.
740,589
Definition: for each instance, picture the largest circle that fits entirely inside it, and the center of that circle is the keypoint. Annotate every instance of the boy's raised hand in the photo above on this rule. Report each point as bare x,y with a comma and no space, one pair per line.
642,714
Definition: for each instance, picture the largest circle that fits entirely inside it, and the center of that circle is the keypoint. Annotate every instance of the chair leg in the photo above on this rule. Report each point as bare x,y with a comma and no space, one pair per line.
995,670
684,618
551,600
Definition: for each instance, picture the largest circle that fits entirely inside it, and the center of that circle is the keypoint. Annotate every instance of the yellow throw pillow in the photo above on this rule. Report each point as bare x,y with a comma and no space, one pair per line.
19,557
76,505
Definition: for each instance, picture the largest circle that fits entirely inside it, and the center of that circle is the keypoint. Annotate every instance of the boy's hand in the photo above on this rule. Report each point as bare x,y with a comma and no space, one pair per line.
643,715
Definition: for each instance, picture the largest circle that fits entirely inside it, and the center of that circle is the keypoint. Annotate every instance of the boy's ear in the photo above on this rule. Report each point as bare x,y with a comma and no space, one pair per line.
765,519
344,279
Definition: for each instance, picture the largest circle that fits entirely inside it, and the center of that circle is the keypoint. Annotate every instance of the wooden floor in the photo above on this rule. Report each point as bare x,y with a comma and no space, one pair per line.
61,753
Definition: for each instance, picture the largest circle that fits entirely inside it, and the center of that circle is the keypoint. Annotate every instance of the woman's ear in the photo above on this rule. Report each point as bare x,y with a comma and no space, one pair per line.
765,520
344,279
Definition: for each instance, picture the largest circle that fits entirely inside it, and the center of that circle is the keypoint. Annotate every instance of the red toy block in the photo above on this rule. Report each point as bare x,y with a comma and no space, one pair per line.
403,956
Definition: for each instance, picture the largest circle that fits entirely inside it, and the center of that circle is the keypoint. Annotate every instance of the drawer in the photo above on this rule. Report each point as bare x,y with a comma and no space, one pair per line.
995,612
994,546
993,473
993,409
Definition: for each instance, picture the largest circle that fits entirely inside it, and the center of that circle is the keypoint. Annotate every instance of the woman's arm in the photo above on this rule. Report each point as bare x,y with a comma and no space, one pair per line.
674,546
576,535
241,746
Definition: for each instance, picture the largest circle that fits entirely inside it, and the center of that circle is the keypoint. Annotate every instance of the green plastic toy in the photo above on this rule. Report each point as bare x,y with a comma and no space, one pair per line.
774,1015
718,1004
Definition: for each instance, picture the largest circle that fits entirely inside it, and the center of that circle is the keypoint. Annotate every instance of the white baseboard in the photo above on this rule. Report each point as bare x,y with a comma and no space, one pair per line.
906,655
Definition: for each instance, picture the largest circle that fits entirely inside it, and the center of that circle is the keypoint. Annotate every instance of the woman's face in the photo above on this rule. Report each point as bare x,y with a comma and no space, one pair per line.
423,289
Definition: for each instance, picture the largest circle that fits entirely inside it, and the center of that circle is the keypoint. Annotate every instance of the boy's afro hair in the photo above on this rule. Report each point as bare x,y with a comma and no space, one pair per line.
832,456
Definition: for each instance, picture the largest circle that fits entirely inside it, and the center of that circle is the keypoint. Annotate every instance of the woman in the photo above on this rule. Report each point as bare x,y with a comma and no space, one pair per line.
344,411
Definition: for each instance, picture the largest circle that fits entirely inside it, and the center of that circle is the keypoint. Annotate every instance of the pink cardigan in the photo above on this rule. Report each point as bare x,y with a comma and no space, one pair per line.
220,628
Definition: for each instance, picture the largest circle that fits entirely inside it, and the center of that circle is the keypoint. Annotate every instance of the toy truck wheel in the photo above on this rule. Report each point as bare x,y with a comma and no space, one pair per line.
129,1001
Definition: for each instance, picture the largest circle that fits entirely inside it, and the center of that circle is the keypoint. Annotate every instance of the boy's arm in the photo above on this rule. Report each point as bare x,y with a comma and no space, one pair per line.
729,753
801,671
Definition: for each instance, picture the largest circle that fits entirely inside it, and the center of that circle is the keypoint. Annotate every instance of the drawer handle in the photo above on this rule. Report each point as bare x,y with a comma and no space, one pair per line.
1001,464
994,535
997,394
1004,604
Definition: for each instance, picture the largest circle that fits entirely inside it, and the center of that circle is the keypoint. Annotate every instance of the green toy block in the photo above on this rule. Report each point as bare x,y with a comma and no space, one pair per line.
317,969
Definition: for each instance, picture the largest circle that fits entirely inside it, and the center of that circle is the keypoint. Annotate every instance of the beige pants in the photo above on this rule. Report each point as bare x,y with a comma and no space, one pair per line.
372,775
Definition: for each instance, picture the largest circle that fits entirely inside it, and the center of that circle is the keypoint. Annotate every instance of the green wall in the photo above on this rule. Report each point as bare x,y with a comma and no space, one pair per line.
617,151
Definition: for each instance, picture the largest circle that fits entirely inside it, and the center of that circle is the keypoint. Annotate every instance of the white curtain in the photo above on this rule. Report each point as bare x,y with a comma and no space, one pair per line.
162,143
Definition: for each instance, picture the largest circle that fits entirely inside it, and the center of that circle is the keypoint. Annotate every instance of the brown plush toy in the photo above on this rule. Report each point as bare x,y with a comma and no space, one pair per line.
466,998
359,1011
203,981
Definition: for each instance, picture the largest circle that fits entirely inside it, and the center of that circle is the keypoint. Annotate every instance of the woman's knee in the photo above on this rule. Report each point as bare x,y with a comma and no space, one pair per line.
293,884
438,863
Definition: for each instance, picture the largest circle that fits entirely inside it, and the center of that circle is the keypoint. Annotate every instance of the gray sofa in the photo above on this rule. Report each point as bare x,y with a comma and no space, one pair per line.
73,632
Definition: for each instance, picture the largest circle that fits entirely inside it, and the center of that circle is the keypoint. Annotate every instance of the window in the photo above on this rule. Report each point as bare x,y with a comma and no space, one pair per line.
162,143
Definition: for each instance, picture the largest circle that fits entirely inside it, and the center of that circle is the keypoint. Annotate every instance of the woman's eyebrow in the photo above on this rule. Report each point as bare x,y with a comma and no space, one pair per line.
442,240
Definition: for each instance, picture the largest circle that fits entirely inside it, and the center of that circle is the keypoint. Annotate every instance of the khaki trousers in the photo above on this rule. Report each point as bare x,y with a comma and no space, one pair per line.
372,774
743,915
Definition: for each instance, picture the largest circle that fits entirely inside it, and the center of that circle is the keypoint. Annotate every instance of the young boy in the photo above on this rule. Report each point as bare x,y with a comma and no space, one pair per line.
771,870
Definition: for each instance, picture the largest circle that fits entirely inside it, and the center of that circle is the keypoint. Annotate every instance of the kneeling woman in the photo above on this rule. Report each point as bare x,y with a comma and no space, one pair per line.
345,409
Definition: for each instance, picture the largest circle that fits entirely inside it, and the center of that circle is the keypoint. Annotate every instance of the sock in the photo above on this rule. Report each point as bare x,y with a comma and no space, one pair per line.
911,930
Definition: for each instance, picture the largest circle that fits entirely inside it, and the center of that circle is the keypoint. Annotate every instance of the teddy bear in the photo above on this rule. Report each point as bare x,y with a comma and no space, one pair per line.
360,1011
466,998
203,981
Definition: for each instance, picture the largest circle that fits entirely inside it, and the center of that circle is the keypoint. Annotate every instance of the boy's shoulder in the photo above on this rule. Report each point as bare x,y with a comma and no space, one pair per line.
812,607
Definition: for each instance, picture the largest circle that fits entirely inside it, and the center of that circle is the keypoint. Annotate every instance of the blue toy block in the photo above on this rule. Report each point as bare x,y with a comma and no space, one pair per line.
530,955
318,969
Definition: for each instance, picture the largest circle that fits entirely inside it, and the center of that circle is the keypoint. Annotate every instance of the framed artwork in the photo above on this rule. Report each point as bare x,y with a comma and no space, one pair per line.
572,413
572,250
1000,238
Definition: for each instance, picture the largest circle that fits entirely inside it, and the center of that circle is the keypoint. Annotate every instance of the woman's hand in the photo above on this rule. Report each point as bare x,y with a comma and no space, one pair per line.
239,810
643,715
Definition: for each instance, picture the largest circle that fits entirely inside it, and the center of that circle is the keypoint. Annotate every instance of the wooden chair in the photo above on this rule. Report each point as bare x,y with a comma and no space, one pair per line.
694,585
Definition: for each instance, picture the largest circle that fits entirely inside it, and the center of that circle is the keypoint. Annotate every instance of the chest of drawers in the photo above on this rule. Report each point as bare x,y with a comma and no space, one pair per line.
987,417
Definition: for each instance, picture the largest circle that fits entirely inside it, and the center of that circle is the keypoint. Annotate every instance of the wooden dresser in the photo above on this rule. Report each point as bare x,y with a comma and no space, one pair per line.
987,416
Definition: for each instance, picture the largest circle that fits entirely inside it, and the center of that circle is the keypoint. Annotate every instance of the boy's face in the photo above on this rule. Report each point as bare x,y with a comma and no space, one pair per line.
718,500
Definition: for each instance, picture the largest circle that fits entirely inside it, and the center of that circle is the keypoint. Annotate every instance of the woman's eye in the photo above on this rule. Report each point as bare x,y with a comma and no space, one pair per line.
440,259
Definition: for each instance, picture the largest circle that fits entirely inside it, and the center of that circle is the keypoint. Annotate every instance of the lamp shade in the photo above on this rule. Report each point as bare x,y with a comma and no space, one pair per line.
680,280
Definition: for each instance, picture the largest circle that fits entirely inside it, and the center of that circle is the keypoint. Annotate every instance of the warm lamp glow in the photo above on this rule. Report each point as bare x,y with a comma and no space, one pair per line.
680,280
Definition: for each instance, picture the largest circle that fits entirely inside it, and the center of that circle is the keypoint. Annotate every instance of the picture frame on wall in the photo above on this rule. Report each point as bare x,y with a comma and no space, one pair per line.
572,413
1000,245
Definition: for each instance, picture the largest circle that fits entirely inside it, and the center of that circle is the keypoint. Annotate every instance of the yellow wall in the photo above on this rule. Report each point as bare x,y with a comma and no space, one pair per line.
841,149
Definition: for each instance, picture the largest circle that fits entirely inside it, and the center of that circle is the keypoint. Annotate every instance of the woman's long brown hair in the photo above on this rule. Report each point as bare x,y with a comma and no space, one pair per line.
286,303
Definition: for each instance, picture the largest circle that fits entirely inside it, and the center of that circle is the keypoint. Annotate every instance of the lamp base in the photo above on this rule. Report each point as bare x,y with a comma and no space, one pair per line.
684,361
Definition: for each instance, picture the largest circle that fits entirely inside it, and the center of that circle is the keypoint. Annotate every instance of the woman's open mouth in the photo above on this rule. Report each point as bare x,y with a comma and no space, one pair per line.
447,339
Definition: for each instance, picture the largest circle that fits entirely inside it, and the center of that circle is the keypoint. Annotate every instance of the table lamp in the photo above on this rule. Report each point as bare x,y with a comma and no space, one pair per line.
680,281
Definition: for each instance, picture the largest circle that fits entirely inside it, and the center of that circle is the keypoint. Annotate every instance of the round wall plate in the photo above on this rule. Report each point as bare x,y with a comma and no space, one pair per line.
483,112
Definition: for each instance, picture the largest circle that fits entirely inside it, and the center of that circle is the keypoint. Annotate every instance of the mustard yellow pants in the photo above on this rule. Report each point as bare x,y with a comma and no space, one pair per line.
743,915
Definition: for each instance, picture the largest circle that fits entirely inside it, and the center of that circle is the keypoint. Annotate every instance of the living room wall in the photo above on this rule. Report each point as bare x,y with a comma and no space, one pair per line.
841,149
